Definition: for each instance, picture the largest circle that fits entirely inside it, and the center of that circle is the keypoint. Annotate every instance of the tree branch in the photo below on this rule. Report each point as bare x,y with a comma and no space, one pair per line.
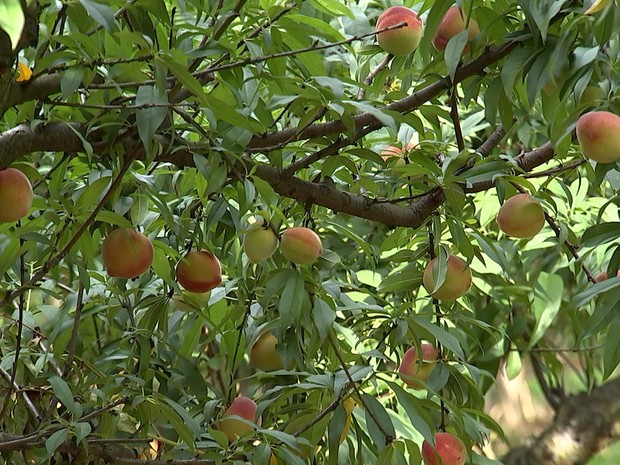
584,424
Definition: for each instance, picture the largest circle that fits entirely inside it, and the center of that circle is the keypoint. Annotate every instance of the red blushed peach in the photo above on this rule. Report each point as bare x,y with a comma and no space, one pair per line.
452,24
521,216
15,195
602,276
403,40
457,281
243,407
301,245
411,370
448,447
126,253
199,271
598,133
264,355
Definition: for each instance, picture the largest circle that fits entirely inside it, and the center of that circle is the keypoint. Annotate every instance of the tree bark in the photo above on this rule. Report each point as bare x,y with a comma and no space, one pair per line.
585,424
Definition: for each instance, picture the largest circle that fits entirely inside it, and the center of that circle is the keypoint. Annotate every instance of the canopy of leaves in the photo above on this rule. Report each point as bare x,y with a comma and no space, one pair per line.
189,120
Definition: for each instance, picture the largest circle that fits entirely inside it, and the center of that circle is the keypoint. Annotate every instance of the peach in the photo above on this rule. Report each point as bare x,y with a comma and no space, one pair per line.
453,23
399,41
521,216
199,271
15,195
602,276
259,241
411,370
242,407
301,245
448,447
598,133
126,253
457,281
264,355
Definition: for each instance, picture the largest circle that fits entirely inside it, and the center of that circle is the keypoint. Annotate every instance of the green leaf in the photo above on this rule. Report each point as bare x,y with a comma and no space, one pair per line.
454,51
381,416
600,234
324,317
418,416
149,119
55,440
12,20
547,299
63,392
71,80
291,301
103,14
611,353
333,7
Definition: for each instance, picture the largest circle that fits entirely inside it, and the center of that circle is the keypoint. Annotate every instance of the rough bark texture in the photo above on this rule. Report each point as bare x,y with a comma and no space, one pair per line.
584,425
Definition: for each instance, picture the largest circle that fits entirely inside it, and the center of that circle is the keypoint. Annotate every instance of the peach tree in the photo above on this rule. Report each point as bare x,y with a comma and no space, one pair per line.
287,210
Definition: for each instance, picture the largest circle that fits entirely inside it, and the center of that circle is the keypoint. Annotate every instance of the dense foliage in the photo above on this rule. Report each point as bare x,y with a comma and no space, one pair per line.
190,120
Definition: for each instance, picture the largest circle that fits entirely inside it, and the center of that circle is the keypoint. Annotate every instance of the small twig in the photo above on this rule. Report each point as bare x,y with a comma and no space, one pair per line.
74,332
552,396
330,408
556,170
31,407
373,74
454,115
388,437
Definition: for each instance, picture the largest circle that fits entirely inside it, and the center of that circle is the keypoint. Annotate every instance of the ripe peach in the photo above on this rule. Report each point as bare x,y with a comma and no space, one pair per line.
598,133
411,370
126,253
15,195
301,245
259,241
453,23
399,41
450,449
264,355
199,271
243,407
521,216
602,276
457,282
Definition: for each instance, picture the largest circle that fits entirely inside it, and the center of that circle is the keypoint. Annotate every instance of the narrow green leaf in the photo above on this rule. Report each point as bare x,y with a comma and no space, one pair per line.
103,14
149,119
600,234
63,392
55,440
291,300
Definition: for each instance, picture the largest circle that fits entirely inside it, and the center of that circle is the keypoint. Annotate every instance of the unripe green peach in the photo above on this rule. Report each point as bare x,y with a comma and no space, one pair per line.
399,41
448,447
457,282
412,371
521,216
15,195
243,407
598,133
301,245
264,355
259,241
453,23
126,253
199,271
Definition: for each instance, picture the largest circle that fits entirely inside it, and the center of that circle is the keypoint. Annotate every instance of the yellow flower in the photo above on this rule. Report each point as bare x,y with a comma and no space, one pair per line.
24,72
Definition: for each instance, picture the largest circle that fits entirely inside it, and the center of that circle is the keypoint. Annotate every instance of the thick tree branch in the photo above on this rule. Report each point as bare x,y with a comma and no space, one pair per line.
406,105
585,424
